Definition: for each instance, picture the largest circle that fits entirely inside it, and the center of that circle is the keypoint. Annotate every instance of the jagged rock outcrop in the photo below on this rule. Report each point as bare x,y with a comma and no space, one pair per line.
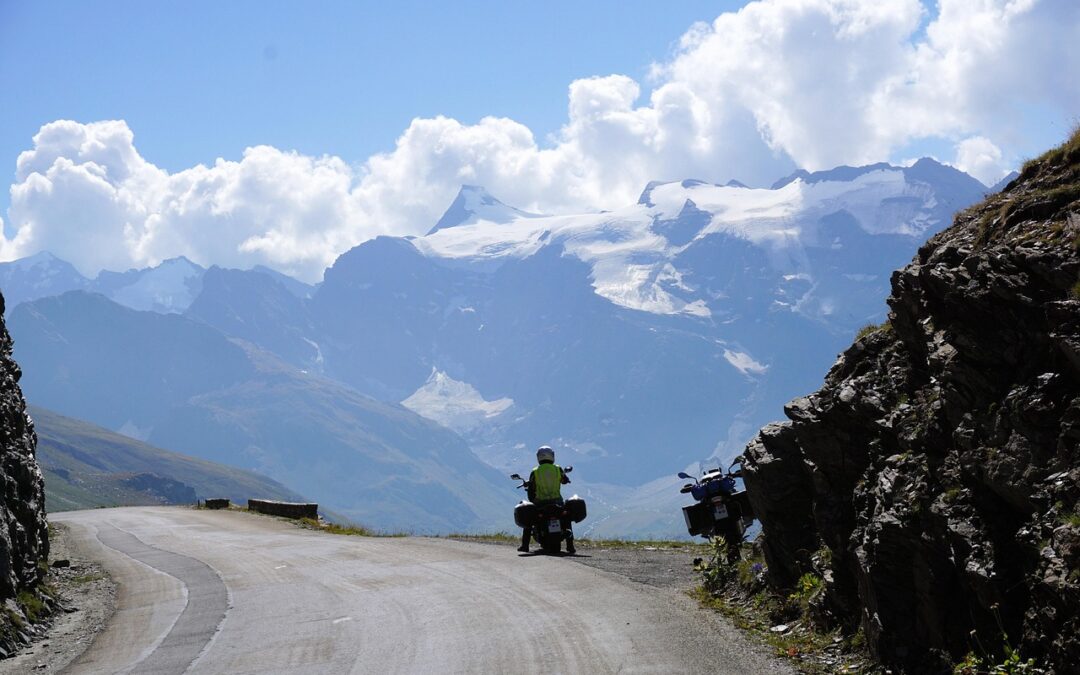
24,535
167,490
933,482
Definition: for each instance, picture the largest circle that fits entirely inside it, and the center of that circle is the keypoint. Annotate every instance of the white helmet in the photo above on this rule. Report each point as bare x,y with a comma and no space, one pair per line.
545,453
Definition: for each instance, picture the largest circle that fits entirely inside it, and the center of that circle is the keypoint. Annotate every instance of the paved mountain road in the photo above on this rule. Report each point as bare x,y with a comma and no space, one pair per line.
230,592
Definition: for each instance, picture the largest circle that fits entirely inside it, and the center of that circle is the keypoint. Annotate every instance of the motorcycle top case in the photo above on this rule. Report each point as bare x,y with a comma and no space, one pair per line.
525,514
575,506
713,488
699,518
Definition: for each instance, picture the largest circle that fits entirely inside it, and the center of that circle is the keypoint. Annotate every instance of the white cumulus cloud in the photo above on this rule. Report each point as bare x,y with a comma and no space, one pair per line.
979,157
752,95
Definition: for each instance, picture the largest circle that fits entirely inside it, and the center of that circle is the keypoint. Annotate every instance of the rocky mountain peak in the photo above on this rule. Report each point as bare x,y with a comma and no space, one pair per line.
933,482
474,203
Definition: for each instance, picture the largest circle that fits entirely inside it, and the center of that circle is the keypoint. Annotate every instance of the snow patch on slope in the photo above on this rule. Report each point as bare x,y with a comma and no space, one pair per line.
453,404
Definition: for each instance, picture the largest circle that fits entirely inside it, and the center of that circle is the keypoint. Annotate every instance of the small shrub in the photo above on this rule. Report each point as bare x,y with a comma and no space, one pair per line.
806,589
717,572
751,574
1013,664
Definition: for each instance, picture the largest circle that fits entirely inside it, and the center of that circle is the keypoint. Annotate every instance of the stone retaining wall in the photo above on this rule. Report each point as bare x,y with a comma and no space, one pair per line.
285,509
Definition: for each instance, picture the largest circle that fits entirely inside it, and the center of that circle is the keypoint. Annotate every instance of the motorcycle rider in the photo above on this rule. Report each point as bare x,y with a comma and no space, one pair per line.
545,487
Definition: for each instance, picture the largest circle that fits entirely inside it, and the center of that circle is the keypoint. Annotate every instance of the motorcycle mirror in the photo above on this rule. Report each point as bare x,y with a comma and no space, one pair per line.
568,469
683,474
515,476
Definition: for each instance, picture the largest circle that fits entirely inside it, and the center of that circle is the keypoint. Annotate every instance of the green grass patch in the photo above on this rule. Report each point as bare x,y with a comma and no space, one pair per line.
14,619
335,528
952,494
490,537
798,641
32,606
342,529
871,328
1066,153
1074,291
780,620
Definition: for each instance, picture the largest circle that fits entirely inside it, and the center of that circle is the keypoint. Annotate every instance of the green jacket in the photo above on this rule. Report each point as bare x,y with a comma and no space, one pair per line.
545,483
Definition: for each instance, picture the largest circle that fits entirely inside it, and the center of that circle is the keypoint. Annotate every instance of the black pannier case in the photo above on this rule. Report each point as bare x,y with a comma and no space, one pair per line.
743,500
525,514
575,506
699,518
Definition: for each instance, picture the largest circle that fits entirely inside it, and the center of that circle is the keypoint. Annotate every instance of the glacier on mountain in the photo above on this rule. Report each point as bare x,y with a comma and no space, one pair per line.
632,258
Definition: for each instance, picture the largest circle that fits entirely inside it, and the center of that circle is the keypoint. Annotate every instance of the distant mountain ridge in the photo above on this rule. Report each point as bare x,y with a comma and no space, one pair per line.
87,466
168,288
180,384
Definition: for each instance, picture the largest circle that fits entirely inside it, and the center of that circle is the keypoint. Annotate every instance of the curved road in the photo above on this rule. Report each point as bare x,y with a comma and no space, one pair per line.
231,592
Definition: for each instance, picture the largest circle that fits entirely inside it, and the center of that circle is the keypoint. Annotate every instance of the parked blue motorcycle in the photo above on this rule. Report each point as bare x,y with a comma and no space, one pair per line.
722,510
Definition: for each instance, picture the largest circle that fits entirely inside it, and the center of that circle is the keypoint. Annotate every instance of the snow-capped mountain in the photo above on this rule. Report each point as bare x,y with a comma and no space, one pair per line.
38,276
634,253
168,288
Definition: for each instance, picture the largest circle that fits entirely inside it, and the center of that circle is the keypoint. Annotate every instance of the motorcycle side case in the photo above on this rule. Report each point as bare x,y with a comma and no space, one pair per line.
743,500
699,518
575,506
525,514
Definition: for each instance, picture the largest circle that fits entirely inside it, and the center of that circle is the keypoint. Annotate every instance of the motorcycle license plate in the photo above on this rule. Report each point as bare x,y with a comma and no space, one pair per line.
554,525
719,511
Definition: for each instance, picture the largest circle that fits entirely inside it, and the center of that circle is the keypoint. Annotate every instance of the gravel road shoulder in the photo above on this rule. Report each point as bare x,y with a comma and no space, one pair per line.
661,566
87,599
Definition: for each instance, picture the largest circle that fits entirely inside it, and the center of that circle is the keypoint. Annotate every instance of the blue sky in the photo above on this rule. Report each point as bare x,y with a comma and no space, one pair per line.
242,133
200,80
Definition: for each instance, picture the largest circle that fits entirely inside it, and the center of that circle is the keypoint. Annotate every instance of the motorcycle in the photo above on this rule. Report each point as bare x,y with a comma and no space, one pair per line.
722,510
550,522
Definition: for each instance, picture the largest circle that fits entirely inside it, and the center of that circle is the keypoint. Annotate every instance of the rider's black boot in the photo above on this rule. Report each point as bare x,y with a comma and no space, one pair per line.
525,535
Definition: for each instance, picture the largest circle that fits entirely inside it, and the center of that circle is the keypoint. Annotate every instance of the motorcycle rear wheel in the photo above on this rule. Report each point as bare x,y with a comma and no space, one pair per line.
551,545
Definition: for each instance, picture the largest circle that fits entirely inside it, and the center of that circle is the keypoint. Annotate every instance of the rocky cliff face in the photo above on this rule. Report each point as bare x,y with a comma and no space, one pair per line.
24,536
933,482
